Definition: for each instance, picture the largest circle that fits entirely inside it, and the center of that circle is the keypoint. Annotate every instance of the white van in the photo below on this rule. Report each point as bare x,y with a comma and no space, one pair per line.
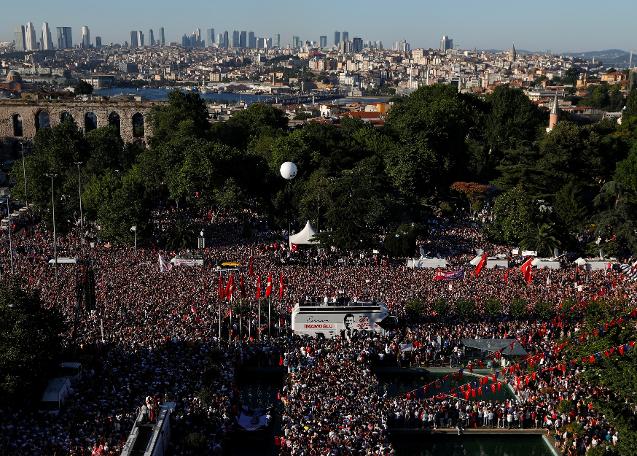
55,394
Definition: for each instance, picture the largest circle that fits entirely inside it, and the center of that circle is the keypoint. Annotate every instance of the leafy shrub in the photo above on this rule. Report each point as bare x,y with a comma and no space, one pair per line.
518,308
493,307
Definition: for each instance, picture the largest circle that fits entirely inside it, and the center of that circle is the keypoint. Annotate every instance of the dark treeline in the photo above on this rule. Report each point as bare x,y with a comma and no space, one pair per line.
440,152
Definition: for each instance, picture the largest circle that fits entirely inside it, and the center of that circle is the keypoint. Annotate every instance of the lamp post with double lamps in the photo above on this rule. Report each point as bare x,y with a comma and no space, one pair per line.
55,247
79,195
9,231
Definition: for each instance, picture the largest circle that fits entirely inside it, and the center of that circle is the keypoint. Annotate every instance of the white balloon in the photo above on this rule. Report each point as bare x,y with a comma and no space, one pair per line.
288,170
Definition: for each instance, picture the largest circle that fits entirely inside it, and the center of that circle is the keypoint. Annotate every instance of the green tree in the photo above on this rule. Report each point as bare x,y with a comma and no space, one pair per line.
571,204
514,215
316,199
107,151
616,374
631,103
55,151
185,115
361,208
402,242
431,127
29,342
415,309
542,239
244,126
512,119
83,88
119,203
626,171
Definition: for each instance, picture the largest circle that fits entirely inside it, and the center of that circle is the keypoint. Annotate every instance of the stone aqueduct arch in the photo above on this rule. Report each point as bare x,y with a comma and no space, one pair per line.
33,115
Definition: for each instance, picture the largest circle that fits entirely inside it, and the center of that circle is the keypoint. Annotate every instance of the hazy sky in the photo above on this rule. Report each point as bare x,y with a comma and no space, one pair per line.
559,25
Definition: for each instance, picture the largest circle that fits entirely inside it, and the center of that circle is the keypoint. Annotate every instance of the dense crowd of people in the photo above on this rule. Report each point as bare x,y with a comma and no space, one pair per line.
168,335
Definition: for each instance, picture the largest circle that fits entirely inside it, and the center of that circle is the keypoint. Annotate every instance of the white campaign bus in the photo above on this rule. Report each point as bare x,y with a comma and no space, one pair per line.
330,320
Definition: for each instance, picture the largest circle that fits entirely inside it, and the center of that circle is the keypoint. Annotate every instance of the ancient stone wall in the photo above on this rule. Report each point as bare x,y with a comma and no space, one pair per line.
33,115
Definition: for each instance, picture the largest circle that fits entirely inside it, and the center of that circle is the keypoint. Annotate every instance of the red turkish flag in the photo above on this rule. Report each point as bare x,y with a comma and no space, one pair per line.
230,288
481,264
526,270
242,287
258,287
268,286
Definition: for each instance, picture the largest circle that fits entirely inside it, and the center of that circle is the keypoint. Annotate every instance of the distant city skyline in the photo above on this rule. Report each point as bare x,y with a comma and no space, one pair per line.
558,26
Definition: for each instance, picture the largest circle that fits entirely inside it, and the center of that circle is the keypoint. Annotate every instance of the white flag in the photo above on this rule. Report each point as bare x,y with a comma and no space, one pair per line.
163,266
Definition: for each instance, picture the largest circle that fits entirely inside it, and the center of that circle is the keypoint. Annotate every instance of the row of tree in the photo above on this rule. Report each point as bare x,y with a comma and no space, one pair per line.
357,183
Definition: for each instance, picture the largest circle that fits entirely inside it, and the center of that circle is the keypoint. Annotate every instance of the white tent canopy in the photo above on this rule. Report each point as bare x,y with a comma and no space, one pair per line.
546,263
424,262
304,237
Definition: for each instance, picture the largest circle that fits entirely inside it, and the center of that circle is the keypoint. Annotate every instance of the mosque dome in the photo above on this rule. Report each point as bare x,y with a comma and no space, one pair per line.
14,76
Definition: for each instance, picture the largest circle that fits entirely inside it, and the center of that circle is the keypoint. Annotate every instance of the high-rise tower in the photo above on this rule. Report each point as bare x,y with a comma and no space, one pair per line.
65,37
210,37
133,39
86,37
446,43
46,40
337,38
162,36
20,41
31,42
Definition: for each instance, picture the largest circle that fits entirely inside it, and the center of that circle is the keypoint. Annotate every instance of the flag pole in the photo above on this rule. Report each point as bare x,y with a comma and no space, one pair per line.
219,321
240,318
259,323
230,327
269,316
249,321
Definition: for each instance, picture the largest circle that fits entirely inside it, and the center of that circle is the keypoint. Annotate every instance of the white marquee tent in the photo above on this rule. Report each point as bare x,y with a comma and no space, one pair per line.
424,262
304,237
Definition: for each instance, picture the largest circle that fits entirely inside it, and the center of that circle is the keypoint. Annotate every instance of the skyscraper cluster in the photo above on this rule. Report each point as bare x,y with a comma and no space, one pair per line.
139,39
446,43
26,38
238,39
194,40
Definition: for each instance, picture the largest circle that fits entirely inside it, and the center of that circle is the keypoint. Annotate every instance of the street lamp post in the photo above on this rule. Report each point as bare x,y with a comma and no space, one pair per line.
9,230
55,247
79,195
24,178
134,230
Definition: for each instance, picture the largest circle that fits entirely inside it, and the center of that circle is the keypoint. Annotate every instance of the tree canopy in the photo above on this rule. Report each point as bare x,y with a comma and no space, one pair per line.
29,342
353,177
